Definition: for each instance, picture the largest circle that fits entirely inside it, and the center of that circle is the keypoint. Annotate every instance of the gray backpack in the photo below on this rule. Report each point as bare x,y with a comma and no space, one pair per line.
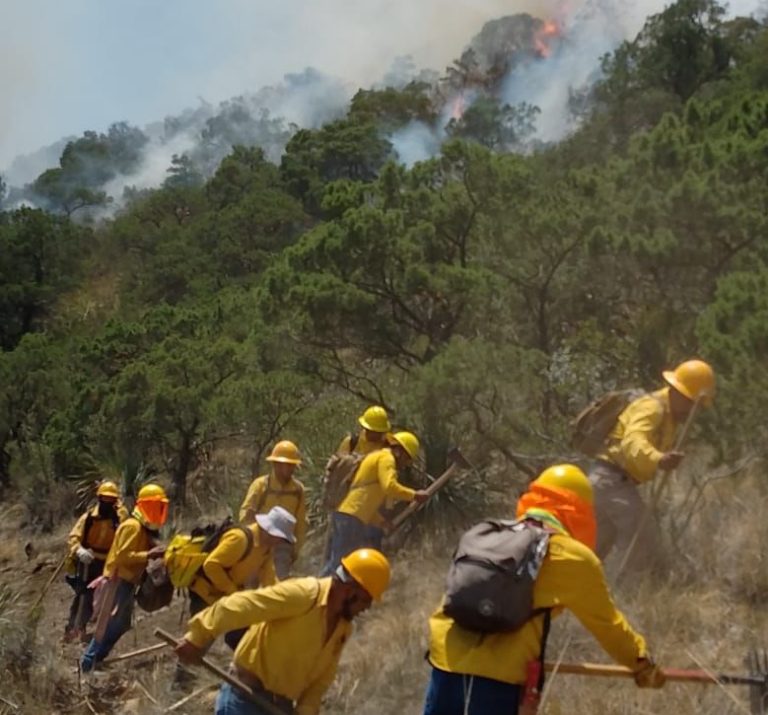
490,582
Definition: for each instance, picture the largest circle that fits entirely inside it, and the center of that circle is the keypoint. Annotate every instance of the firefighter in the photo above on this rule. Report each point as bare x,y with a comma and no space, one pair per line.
376,428
486,673
89,543
376,434
375,480
135,543
279,488
241,562
641,445
297,630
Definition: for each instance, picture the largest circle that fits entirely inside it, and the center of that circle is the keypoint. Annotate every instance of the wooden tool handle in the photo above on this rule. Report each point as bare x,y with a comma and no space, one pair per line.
263,703
672,674
413,507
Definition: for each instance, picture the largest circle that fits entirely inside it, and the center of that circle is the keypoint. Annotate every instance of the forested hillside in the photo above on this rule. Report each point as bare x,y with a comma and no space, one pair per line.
482,296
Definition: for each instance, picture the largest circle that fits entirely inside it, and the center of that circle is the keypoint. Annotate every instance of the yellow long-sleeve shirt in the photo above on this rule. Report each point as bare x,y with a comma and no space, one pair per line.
571,577
286,647
101,532
643,433
266,492
128,555
226,571
363,446
374,481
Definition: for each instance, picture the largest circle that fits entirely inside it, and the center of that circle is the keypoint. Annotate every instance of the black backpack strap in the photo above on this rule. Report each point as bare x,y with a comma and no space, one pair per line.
543,653
248,541
354,438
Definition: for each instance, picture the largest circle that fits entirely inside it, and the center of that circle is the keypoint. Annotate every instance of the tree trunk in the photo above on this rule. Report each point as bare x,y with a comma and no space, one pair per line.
179,474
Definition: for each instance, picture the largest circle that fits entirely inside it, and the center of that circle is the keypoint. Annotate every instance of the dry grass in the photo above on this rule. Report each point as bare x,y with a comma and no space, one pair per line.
707,611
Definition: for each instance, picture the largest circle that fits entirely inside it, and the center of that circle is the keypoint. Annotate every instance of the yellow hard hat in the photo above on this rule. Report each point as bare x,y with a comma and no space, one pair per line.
108,489
152,492
152,506
375,418
693,378
370,568
285,451
408,441
567,476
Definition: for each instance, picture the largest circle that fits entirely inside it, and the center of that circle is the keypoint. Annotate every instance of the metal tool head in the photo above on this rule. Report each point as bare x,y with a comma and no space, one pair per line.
455,456
757,662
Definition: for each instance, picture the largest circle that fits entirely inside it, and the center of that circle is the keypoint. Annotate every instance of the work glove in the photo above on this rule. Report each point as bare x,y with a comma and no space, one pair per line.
84,555
648,674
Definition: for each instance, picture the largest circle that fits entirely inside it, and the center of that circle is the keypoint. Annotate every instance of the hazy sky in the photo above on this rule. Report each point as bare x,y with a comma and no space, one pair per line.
71,65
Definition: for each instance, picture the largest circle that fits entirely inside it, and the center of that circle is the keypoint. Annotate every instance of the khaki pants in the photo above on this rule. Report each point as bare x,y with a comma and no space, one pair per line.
623,519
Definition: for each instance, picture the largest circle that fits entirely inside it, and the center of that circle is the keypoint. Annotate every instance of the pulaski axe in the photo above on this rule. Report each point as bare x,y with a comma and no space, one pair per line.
457,462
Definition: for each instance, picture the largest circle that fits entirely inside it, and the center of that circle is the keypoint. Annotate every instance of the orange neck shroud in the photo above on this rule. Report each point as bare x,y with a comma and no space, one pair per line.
575,514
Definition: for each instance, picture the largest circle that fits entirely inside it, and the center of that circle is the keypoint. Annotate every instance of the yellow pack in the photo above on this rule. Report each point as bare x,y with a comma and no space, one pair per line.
183,558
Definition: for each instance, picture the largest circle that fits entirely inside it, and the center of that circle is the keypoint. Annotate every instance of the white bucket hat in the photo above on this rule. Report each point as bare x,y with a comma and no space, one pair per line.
278,522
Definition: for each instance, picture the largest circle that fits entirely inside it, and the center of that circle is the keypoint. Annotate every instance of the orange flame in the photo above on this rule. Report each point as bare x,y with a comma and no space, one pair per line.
542,38
458,107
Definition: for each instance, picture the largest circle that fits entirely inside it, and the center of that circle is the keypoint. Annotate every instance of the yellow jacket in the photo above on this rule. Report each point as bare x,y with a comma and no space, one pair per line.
571,577
226,571
643,433
374,481
127,557
265,492
363,446
101,532
286,647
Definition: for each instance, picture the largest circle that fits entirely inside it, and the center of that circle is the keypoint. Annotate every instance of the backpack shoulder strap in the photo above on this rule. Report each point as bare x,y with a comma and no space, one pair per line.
263,496
248,541
543,652
354,438
89,519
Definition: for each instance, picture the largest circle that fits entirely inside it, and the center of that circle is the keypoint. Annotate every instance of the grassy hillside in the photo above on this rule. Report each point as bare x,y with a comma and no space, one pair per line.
705,610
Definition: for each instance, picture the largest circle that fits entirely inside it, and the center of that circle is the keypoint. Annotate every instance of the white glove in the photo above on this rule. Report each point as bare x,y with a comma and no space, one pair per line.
84,555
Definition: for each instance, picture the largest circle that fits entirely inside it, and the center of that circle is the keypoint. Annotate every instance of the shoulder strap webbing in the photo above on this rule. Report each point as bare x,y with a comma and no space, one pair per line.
295,493
543,653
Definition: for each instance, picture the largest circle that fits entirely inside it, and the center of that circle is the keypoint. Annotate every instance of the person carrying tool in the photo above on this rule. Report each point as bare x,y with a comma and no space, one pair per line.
487,673
297,630
376,434
135,543
642,443
89,543
279,488
375,480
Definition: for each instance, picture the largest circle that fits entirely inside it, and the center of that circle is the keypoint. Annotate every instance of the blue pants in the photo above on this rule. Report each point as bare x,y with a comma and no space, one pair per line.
230,701
348,533
119,624
450,693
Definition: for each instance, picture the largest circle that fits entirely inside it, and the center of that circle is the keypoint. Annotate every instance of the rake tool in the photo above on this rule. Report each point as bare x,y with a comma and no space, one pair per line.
756,680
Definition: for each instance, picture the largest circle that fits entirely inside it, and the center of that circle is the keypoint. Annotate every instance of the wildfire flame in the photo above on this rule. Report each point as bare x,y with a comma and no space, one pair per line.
543,37
458,107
